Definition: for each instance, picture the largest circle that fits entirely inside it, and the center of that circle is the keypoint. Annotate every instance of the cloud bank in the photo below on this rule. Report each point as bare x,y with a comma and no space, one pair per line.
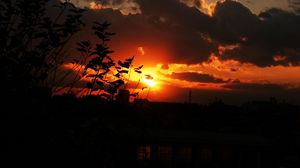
178,32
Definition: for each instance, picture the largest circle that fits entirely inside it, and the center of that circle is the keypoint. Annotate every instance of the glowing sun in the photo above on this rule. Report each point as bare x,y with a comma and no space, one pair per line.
150,83
149,80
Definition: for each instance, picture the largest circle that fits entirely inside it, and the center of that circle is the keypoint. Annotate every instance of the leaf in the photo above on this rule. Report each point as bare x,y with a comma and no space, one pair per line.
139,68
80,44
94,53
138,71
109,58
86,43
103,73
124,64
100,35
149,77
129,60
105,24
117,75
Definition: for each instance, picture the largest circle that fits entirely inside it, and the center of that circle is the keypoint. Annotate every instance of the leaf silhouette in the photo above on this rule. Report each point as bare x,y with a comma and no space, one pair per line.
138,71
129,60
149,77
139,68
117,75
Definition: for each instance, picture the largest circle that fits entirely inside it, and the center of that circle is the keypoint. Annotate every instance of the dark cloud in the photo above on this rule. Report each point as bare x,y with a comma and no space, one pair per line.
233,21
173,32
196,77
273,32
181,27
168,26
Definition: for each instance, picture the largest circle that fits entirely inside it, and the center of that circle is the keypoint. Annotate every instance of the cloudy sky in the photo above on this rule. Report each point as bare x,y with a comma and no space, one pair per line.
235,50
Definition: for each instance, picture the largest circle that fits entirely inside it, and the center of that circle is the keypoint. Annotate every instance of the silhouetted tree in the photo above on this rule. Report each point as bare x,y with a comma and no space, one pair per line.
32,43
103,74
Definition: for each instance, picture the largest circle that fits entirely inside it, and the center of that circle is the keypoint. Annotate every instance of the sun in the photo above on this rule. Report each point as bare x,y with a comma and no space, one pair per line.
149,80
150,83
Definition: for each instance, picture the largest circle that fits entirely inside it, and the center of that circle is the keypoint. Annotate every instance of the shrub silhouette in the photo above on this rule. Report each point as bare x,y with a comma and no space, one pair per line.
32,43
103,74
33,48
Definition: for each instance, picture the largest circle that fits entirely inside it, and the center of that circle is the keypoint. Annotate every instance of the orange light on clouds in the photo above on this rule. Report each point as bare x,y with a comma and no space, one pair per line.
126,7
208,7
141,51
223,48
279,58
245,72
94,5
159,79
205,6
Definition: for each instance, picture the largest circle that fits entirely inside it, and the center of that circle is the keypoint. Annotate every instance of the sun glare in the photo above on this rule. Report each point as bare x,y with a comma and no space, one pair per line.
150,83
149,80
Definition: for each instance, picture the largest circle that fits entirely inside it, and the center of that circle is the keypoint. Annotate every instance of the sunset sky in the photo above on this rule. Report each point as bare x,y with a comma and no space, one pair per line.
234,50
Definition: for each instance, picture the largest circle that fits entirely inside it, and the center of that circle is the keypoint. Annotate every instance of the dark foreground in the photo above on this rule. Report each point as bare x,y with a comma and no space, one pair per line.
90,132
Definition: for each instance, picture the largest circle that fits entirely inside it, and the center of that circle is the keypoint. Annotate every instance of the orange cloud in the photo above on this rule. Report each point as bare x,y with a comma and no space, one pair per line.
227,70
279,58
141,51
202,5
232,69
126,7
215,76
223,48
209,8
95,6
